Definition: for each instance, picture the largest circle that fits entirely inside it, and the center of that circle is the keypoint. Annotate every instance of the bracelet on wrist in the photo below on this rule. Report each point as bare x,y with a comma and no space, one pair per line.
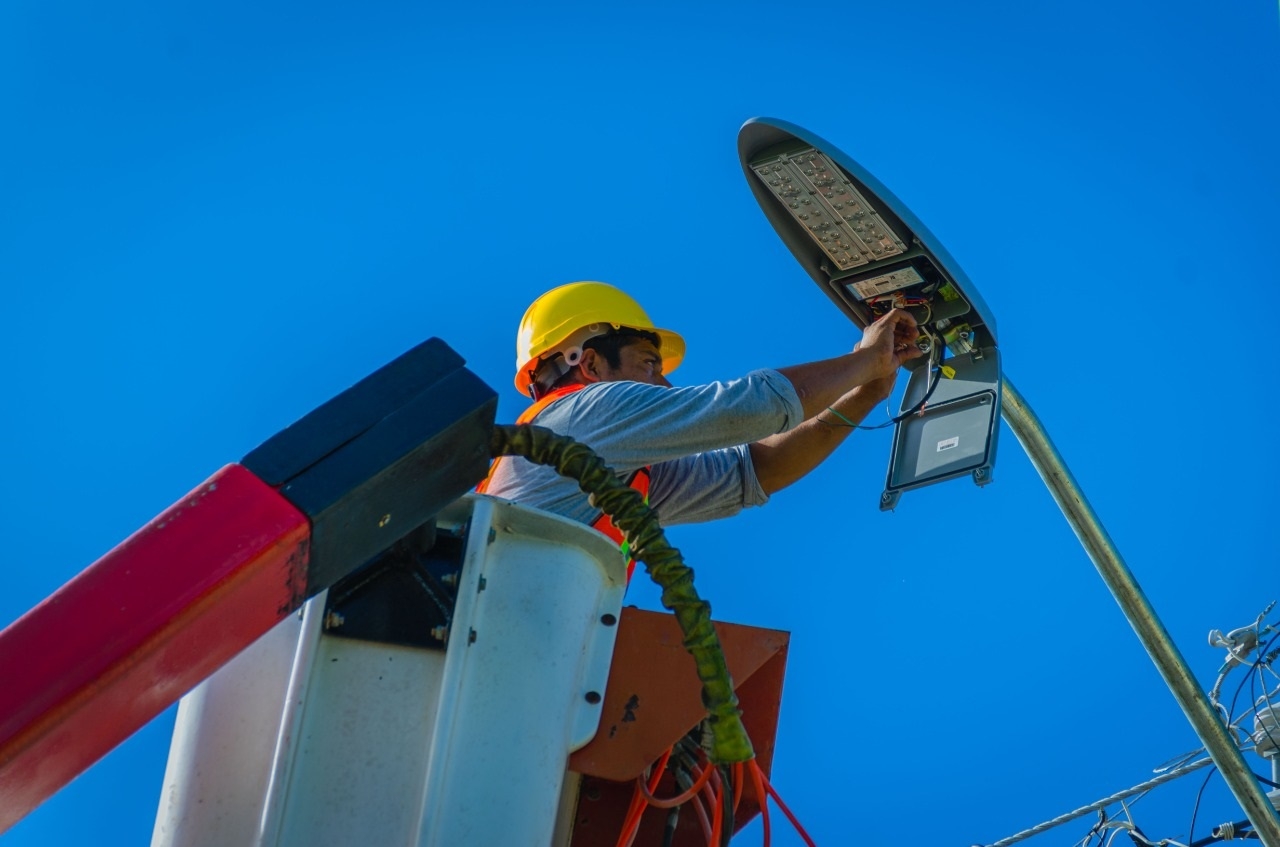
847,422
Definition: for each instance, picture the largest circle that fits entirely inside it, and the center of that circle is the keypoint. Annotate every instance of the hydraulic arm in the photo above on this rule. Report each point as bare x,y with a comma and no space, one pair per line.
144,624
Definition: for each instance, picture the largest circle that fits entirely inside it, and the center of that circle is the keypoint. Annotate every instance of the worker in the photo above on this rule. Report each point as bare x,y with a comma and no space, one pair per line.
597,367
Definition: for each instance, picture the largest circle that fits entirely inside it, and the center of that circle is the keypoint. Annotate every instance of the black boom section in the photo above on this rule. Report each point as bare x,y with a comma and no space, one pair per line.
383,457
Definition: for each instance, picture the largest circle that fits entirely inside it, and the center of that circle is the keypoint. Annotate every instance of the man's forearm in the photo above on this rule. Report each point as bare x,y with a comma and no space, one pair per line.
784,458
824,383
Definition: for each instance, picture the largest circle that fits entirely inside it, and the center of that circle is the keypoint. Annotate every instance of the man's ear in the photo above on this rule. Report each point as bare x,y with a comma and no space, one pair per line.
591,366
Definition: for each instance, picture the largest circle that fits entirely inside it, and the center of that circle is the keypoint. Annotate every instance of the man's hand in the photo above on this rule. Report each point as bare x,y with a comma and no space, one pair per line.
886,345
891,341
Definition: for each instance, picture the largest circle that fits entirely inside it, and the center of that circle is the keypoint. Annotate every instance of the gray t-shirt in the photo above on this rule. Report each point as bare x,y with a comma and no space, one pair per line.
695,438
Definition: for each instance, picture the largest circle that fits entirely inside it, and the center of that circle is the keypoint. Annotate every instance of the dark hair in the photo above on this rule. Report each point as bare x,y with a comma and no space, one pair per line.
611,343
610,346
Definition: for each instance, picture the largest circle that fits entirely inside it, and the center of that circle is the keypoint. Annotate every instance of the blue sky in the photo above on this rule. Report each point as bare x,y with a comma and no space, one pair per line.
216,217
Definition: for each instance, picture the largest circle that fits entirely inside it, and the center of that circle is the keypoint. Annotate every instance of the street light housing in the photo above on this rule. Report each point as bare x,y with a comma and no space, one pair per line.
869,254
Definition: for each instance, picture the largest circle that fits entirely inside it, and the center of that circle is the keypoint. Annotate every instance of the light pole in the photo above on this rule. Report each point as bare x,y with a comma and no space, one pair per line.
866,250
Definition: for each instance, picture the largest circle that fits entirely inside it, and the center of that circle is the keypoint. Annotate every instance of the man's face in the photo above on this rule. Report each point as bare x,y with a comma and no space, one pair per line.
639,361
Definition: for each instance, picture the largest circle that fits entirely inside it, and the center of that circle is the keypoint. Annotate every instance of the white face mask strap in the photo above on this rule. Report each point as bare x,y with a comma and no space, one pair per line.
563,359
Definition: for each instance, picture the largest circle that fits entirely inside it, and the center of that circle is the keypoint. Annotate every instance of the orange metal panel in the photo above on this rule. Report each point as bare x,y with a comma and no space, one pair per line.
654,699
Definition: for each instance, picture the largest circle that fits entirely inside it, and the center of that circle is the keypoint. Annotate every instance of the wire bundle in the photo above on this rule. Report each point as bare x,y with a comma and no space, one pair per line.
703,786
1239,644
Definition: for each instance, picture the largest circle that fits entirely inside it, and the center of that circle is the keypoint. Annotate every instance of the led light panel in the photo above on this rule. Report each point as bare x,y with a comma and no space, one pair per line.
823,200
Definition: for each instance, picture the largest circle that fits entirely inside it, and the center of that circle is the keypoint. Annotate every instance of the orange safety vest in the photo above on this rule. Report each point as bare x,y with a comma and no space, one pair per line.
603,524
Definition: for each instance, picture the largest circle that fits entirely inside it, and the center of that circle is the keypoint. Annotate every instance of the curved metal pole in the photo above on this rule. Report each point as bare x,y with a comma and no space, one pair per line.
1116,574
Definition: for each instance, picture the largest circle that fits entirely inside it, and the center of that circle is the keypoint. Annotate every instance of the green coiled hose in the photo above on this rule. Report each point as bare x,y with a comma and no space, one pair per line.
648,544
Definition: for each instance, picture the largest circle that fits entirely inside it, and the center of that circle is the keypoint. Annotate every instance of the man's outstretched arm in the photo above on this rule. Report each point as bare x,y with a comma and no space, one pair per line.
782,459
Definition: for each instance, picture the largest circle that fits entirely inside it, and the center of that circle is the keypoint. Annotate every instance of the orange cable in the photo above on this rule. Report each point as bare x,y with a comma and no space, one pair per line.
715,778
631,823
717,818
757,782
713,801
683,797
783,806
703,820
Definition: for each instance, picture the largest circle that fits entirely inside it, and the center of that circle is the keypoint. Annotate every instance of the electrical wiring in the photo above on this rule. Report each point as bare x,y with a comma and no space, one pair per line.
1191,831
1177,761
704,819
669,829
881,305
1227,832
715,797
1113,835
680,799
1137,790
1128,816
769,790
1239,661
1098,829
717,824
1253,713
684,780
1253,669
721,786
631,823
1118,827
727,804
1266,730
686,773
1258,665
738,784
935,350
1250,677
714,811
757,782
1181,765
735,773
1224,832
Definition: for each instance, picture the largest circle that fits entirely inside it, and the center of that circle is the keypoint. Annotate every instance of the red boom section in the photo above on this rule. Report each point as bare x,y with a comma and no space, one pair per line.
142,626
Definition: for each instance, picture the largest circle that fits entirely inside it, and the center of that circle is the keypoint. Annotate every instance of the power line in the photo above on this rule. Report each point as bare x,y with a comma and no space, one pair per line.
1104,802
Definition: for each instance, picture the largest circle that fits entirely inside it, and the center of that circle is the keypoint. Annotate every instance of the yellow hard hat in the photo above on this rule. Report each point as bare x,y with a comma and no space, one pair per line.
566,316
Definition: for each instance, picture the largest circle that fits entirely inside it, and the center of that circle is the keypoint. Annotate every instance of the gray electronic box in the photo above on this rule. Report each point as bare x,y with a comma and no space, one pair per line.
955,434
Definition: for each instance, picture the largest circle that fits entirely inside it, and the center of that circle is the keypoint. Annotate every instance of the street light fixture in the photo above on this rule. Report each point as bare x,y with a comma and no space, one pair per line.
869,254
860,244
